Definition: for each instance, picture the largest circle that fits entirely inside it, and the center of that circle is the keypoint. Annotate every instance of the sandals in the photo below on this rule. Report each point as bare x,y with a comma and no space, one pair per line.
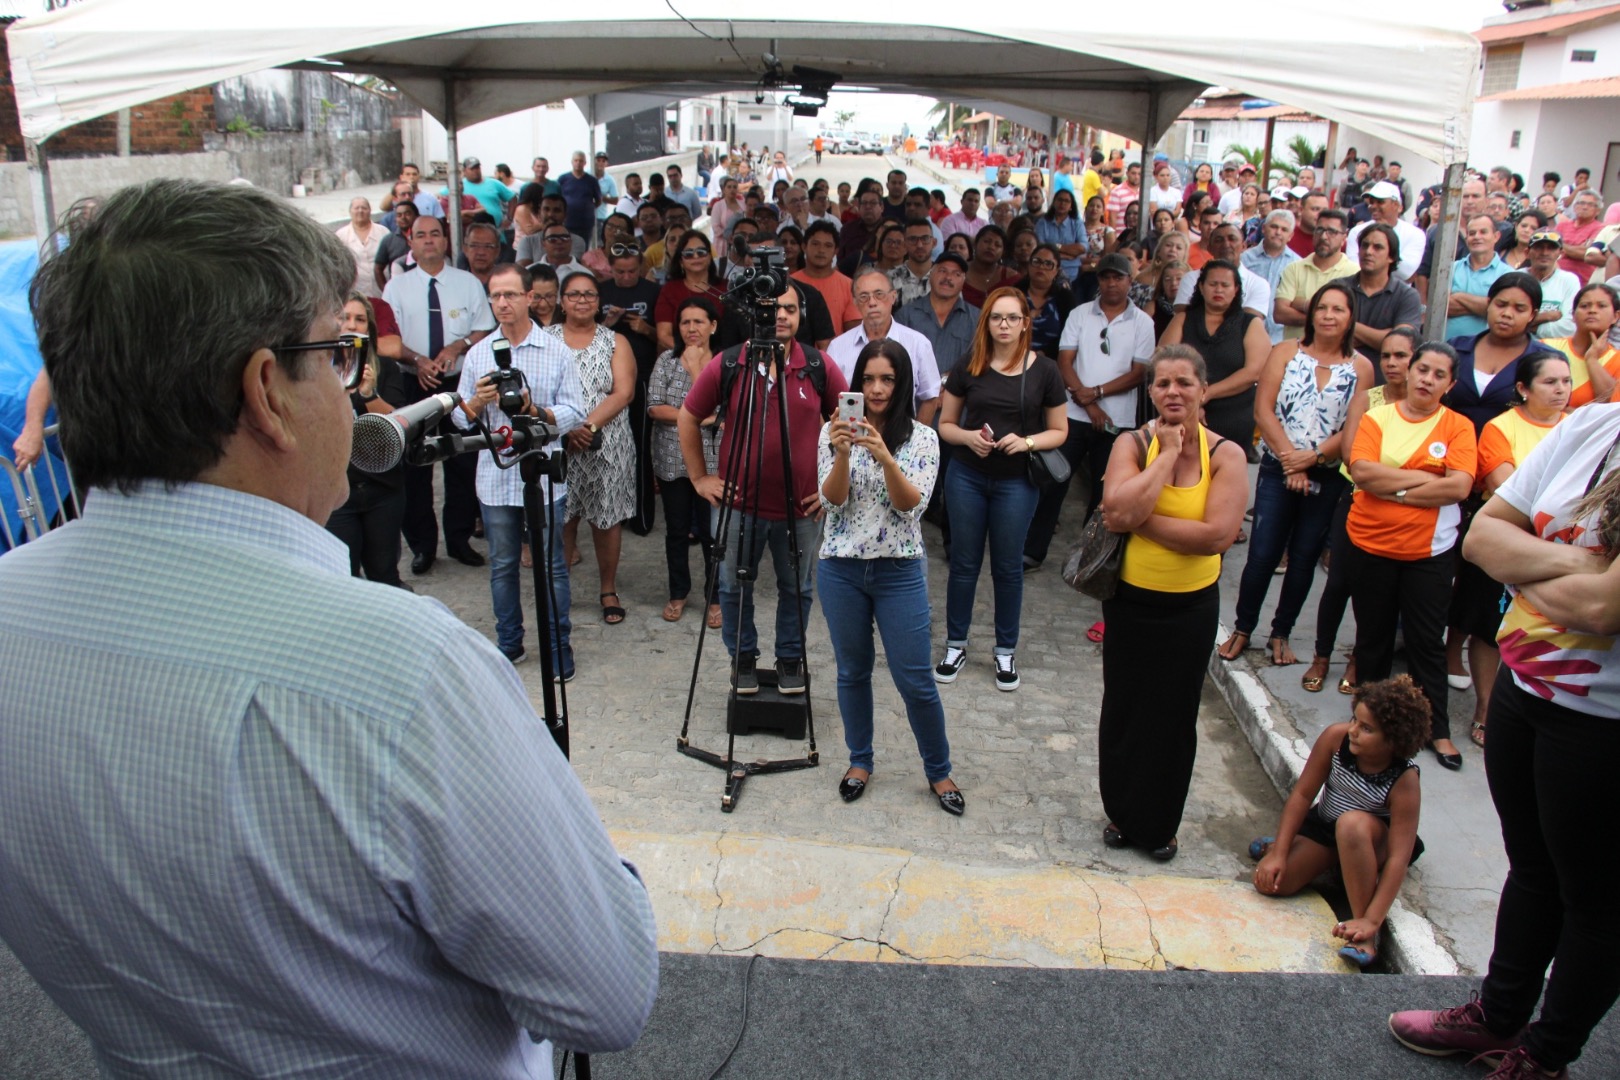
1095,634
612,614
672,610
713,617
1347,685
1277,656
1236,652
526,559
1315,676
1476,733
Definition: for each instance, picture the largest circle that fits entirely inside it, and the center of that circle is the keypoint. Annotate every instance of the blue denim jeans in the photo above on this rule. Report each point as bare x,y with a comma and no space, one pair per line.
1285,521
503,530
981,506
756,535
894,594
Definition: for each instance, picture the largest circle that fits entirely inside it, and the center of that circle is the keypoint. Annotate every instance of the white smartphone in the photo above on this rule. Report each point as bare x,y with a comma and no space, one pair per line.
851,407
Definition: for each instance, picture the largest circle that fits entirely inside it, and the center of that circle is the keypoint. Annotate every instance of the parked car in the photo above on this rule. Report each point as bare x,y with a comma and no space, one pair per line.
849,144
873,145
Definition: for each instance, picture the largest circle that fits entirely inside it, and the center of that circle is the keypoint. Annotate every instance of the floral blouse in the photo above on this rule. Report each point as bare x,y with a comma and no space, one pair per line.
1310,416
866,526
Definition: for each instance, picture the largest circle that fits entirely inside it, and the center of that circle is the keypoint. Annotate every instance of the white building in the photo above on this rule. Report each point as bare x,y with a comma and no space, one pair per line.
1550,93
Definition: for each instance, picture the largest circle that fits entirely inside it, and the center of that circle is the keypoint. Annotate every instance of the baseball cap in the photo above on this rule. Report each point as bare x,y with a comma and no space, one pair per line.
1383,190
1281,194
601,155
470,163
1113,263
1299,191
954,259
1546,236
1245,167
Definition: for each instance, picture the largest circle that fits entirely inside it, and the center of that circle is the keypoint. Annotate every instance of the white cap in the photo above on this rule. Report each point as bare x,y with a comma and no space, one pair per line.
1281,194
1299,191
1383,190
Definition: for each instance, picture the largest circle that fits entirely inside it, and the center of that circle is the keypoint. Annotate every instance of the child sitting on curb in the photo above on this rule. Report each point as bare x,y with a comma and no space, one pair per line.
1366,820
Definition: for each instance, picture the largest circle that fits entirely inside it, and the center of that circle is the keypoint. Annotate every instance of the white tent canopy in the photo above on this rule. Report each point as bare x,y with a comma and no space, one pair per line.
1103,65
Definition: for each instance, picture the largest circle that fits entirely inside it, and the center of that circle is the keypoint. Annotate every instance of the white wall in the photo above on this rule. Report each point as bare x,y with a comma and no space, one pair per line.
1572,135
76,178
516,139
1418,171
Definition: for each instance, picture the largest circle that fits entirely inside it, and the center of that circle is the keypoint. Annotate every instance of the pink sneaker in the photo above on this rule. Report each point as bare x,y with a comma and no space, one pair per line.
1459,1030
1519,1065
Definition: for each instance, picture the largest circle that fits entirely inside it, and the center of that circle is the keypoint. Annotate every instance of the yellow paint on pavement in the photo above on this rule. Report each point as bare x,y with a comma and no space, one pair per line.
742,893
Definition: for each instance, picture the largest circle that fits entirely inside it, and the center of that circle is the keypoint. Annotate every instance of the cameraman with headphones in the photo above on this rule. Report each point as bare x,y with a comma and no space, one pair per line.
548,388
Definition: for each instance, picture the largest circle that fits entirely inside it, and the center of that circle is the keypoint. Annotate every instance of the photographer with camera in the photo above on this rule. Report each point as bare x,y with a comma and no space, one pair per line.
763,511
533,376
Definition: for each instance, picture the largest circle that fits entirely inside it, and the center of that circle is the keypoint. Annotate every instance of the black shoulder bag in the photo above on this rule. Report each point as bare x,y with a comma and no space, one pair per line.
1045,466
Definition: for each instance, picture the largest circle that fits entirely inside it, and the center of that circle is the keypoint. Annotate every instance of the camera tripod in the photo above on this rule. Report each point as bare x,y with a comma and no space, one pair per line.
744,465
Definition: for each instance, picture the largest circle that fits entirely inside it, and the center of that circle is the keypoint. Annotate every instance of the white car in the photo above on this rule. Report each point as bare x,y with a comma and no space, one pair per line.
849,144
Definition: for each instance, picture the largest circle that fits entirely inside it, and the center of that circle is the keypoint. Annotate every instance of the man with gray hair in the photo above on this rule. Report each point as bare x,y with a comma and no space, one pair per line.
1268,259
260,817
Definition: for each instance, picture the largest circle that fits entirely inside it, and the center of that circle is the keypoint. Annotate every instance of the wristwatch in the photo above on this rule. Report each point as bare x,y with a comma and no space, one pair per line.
1320,459
592,428
1029,442
1400,496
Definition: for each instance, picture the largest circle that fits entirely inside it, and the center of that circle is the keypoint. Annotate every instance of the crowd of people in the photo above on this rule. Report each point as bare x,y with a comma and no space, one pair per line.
1031,340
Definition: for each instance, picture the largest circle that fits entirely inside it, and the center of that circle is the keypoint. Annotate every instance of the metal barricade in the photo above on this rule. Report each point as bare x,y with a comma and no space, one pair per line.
39,508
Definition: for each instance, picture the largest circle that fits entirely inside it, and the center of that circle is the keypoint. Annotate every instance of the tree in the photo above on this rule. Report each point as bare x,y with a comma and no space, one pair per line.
844,116
1251,154
1303,153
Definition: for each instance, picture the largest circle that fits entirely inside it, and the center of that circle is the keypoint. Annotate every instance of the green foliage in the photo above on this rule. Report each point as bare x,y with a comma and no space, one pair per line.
177,109
240,125
843,117
1251,154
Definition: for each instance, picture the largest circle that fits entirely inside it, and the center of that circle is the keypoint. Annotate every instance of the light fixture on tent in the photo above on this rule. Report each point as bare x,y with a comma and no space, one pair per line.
814,86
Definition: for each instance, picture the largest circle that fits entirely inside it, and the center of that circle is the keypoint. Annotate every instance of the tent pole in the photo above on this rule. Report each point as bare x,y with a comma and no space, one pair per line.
591,119
1144,220
39,183
1265,158
1445,242
454,168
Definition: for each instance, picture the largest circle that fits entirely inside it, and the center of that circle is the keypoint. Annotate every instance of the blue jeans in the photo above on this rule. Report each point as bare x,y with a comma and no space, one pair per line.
737,604
1285,521
503,530
981,506
894,594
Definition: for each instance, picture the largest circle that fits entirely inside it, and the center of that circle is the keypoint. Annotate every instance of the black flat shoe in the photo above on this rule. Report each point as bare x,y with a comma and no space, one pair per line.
466,556
1166,853
421,564
1113,838
850,789
1449,761
950,801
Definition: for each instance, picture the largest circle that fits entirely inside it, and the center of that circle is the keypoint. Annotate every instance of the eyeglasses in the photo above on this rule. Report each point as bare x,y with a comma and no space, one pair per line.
483,247
1104,340
576,295
1321,231
876,294
619,251
1044,264
556,238
508,297
348,356
695,253
1006,320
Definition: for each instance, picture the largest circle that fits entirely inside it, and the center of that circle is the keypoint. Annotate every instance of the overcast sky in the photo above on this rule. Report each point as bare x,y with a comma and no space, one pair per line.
883,114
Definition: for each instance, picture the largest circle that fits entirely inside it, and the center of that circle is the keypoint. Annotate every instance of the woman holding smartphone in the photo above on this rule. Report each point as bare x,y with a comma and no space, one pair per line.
876,474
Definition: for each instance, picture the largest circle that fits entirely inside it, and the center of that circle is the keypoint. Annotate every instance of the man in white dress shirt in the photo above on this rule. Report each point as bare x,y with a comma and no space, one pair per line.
1384,200
874,297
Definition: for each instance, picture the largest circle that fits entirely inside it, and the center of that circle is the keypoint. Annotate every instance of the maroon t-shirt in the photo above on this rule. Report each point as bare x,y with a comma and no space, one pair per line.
1302,243
806,413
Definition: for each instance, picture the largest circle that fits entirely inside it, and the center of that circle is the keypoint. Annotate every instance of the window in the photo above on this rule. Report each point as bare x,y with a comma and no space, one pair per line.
1199,151
1513,143
1582,56
1501,68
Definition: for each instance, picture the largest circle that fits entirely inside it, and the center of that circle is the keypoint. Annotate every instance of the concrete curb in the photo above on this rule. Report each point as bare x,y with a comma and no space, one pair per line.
1410,945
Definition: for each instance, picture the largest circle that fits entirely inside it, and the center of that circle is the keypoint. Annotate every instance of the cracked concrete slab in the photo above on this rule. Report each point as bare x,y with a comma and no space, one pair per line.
744,893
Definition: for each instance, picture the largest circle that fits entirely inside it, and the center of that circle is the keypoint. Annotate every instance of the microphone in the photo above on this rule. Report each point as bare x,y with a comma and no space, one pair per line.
380,439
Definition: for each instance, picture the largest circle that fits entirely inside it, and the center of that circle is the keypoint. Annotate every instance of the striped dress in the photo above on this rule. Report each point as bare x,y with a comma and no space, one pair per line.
1348,788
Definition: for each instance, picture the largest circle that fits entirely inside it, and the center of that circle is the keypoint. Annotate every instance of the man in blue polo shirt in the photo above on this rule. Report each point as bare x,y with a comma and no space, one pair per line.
492,195
581,195
1471,278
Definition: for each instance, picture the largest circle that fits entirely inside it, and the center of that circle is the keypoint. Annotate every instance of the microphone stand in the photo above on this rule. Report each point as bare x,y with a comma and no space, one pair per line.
529,436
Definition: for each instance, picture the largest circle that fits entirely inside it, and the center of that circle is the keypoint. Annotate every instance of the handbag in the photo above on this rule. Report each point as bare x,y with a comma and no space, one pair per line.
1093,565
1046,467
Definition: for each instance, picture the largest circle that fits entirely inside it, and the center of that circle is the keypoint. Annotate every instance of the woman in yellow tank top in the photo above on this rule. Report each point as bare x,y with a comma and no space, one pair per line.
1180,498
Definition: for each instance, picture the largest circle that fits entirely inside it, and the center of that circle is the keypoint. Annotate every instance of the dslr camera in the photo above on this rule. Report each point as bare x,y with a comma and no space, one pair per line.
508,382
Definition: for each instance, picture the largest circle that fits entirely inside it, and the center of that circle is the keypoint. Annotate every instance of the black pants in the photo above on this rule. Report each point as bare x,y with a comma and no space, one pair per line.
1336,591
369,524
460,495
1550,769
641,430
1087,449
1415,593
686,513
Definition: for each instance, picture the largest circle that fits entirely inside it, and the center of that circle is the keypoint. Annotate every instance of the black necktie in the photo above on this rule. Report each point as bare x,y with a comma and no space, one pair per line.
435,320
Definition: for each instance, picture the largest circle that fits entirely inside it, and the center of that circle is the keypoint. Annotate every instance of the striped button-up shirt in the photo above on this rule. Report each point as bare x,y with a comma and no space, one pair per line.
260,818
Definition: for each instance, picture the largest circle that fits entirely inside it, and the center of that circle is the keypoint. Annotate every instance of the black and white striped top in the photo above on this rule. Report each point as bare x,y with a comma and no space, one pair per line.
1348,788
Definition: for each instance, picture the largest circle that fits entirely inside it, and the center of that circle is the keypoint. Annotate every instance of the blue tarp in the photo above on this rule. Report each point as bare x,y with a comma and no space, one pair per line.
19,364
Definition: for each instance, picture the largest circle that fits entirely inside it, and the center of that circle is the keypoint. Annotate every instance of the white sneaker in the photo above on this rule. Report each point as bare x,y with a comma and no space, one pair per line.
1459,682
1006,672
947,669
